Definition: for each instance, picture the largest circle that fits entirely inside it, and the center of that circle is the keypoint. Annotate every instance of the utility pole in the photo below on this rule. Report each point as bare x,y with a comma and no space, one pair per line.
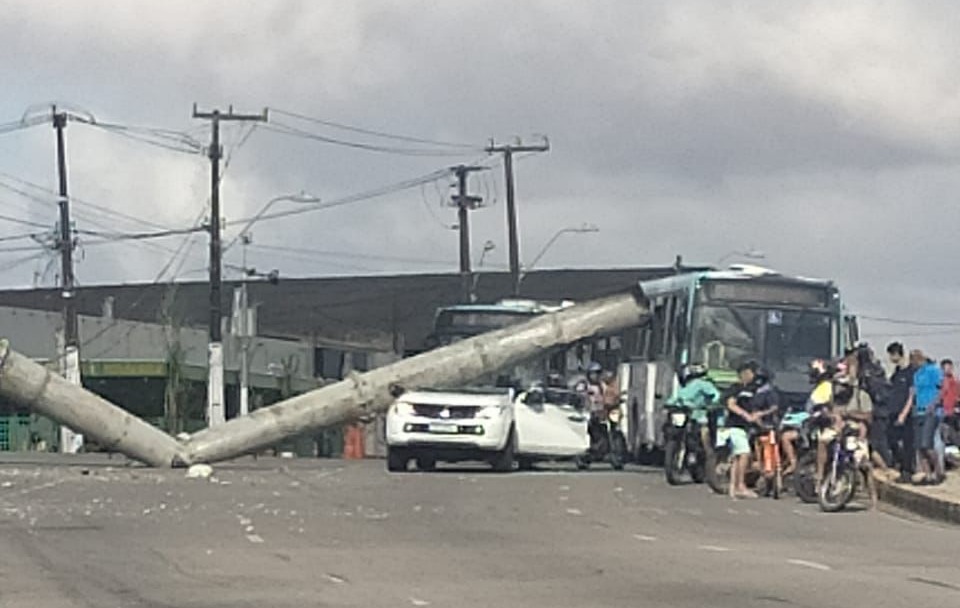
512,231
215,403
464,205
246,332
70,442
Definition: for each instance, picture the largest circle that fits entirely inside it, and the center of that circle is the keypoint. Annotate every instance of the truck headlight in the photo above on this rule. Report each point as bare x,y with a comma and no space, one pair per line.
403,409
490,411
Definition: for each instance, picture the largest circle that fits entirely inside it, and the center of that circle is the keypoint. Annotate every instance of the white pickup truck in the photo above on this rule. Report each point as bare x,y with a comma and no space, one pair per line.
498,426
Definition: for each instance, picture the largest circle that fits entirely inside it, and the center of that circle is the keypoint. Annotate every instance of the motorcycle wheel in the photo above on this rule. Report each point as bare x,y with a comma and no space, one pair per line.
804,478
673,462
699,471
836,492
718,470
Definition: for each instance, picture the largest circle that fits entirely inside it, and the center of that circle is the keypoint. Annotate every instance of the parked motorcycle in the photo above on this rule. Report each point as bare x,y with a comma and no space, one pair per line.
684,453
607,441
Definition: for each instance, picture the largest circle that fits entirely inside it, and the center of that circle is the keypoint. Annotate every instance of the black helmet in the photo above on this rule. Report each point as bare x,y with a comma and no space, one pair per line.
691,371
763,374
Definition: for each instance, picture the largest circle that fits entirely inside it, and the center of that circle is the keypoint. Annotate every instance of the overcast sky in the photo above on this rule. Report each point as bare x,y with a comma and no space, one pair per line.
824,134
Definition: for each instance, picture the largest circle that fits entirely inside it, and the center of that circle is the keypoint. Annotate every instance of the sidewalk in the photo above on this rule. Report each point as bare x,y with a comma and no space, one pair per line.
935,502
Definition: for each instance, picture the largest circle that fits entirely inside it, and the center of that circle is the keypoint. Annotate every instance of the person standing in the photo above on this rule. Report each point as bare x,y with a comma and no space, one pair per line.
739,400
950,392
901,431
922,406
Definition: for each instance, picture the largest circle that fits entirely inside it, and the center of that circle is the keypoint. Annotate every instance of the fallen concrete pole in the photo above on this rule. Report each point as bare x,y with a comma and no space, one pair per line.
36,387
371,392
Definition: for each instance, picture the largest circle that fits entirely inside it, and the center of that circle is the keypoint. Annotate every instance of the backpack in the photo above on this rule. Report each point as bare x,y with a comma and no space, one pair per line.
874,380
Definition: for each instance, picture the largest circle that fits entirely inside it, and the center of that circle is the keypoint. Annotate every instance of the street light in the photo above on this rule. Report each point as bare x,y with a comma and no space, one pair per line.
300,198
487,248
751,254
244,329
583,229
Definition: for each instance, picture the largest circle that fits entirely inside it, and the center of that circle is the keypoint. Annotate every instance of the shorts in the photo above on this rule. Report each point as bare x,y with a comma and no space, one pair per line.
738,440
926,428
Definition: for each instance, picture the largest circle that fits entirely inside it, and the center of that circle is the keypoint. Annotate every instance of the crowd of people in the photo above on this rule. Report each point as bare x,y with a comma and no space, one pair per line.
905,420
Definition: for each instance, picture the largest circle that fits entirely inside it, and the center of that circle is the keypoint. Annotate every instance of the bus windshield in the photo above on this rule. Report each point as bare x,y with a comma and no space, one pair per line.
783,340
454,325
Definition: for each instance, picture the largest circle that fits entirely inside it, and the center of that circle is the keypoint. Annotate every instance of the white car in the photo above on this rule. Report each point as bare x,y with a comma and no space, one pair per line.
497,426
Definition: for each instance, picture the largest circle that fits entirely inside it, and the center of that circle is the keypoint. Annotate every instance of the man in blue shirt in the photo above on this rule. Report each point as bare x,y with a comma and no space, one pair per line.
923,404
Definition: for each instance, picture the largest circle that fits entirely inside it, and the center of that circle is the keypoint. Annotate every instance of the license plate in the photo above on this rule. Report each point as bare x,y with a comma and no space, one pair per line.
443,428
678,419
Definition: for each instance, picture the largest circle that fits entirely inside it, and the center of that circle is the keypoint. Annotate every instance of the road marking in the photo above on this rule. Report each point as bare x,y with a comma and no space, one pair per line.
419,602
714,548
574,512
255,538
333,578
645,538
805,564
733,512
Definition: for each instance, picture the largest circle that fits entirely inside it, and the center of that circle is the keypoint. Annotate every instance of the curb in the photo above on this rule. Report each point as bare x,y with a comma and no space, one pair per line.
918,502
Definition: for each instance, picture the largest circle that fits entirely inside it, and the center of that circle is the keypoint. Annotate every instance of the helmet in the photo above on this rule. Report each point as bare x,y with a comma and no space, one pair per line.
555,380
594,368
820,370
763,374
691,371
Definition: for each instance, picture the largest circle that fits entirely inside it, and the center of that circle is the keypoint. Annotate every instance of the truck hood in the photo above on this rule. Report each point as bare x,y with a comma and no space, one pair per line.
457,399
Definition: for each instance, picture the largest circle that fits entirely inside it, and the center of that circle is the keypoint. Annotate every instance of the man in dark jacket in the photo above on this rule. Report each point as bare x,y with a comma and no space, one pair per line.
901,437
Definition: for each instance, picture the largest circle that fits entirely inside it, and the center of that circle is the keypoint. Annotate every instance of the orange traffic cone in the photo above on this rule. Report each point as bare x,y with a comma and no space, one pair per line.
353,442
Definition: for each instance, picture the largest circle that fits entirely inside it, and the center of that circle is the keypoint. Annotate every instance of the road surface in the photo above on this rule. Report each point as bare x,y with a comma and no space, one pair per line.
285,533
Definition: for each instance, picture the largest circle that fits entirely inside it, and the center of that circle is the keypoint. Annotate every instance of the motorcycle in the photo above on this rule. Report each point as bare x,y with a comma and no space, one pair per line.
607,441
684,452
843,476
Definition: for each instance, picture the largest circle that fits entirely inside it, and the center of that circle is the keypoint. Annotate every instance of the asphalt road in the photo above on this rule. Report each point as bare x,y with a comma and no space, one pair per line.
279,534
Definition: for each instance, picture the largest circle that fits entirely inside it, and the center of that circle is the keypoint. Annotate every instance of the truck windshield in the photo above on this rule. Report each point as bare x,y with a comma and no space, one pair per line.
783,340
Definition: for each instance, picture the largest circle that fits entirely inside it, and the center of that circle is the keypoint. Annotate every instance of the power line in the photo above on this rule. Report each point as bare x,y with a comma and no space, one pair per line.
352,255
375,133
910,322
355,198
285,129
73,199
17,220
20,261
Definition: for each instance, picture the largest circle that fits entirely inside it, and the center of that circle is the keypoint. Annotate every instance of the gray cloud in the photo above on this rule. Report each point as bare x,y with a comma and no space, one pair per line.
826,135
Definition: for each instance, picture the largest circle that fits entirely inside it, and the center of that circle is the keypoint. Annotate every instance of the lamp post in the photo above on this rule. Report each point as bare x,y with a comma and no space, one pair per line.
300,198
244,328
584,229
487,248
